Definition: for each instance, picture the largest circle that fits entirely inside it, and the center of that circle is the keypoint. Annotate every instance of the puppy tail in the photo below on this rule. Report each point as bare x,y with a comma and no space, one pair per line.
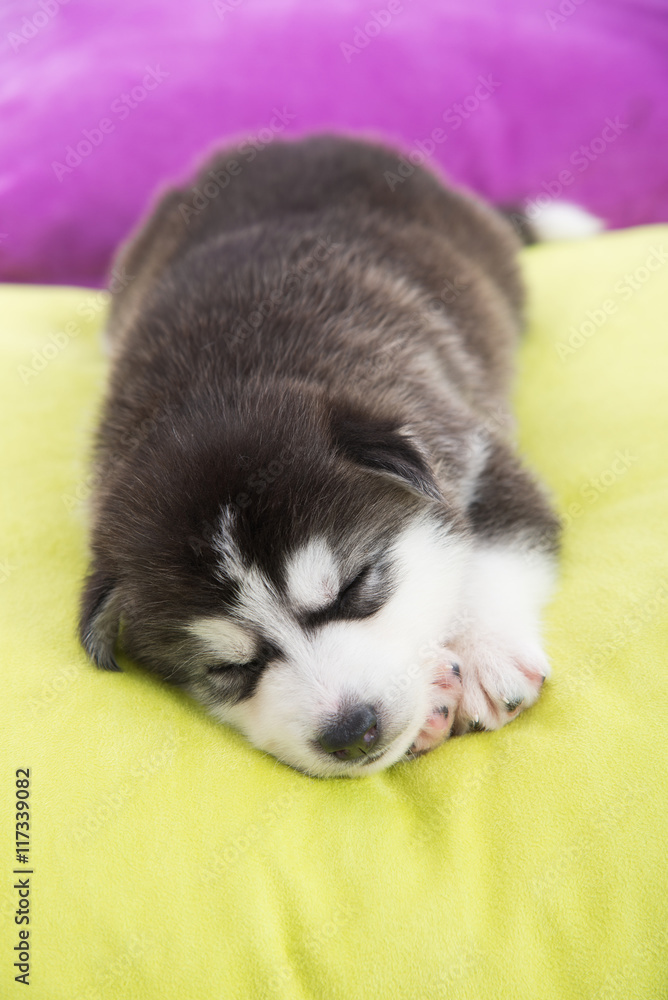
558,220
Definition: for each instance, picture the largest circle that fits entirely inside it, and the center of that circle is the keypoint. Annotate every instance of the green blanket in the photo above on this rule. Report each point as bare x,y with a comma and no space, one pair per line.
169,860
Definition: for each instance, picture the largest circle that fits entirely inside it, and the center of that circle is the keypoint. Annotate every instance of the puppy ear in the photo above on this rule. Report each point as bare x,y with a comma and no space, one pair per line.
384,447
100,618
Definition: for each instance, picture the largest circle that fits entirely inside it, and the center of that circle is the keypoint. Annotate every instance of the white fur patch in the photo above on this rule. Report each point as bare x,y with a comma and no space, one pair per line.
477,446
386,660
313,577
560,220
496,640
506,587
453,600
223,638
232,564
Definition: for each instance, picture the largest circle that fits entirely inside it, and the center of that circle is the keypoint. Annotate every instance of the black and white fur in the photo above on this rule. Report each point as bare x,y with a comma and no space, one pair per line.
309,512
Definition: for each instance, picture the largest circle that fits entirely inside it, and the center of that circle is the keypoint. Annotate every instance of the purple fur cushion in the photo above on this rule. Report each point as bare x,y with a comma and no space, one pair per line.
103,103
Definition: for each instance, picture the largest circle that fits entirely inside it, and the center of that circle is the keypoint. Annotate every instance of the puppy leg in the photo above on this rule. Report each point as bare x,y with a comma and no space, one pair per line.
499,649
497,642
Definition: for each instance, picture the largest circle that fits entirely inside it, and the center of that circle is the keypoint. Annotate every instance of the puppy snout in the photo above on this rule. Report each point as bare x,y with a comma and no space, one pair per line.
352,735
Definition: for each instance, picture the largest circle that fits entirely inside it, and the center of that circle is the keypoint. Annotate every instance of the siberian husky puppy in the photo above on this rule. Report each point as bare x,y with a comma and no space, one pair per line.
309,512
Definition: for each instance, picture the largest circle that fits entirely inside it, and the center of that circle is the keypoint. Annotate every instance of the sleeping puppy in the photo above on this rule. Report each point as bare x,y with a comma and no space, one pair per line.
308,512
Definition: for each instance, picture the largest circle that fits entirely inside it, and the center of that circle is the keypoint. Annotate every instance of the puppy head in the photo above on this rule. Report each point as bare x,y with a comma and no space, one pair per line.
293,566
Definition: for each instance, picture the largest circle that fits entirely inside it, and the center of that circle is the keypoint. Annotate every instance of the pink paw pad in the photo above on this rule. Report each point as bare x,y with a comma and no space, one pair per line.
446,693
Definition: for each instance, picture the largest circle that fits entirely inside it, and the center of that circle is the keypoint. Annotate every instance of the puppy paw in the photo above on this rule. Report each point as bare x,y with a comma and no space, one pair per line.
445,694
500,677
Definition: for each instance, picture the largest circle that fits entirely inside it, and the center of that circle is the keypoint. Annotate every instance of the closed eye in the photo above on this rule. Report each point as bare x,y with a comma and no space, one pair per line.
363,595
267,651
353,584
223,668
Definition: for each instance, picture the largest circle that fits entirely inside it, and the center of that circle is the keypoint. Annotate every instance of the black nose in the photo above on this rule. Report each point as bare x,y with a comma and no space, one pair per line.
351,735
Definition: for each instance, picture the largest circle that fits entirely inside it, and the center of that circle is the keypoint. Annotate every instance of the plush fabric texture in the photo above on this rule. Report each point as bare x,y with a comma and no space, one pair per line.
102,103
173,860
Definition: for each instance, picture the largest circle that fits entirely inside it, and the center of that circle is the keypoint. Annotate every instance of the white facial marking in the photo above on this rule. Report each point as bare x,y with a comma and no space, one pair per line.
223,638
258,602
312,576
477,446
386,660
232,563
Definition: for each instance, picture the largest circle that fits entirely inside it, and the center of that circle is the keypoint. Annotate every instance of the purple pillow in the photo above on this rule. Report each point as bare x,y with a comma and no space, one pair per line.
102,104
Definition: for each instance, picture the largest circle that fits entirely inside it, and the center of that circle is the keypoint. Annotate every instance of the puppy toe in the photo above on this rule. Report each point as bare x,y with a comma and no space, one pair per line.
445,696
500,678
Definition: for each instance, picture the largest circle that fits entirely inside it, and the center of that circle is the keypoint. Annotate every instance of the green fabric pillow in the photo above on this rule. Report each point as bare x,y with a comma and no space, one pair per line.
171,860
